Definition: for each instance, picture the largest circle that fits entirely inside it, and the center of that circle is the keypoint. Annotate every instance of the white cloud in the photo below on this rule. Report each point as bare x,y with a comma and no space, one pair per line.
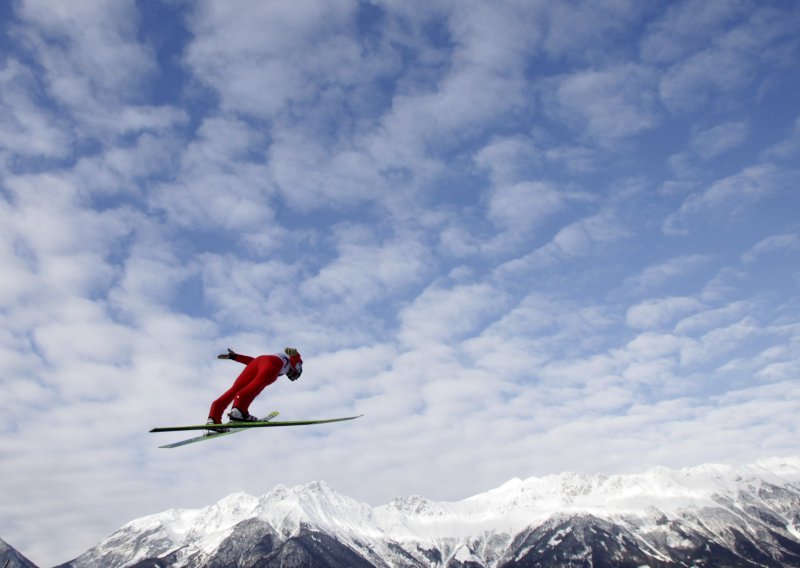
577,159
609,105
479,83
149,278
575,240
312,176
260,58
787,148
656,314
579,238
55,244
685,86
522,207
440,315
519,202
713,49
91,59
364,272
719,139
582,30
688,27
310,165
494,39
727,196
777,243
509,159
246,291
25,127
218,181
539,329
706,320
722,341
656,276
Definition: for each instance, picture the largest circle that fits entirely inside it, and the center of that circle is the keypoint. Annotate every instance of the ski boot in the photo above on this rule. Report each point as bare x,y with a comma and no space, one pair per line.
237,415
212,431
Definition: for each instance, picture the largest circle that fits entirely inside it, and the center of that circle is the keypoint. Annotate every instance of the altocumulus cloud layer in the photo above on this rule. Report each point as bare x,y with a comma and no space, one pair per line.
522,237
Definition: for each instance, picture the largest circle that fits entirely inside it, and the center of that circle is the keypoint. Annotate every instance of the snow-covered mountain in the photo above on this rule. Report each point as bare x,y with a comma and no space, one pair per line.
711,515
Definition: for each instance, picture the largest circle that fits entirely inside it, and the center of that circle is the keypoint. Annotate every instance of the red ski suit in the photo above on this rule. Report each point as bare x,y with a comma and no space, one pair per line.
259,373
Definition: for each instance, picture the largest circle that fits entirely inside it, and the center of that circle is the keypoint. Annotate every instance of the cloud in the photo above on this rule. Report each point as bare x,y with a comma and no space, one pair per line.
711,50
719,139
522,207
509,159
519,201
364,272
707,319
217,182
578,159
656,276
684,86
582,30
776,243
245,292
724,341
59,243
608,105
479,73
727,196
90,58
787,148
655,314
240,53
150,277
355,143
440,314
26,128
311,176
578,238
575,240
688,27
690,166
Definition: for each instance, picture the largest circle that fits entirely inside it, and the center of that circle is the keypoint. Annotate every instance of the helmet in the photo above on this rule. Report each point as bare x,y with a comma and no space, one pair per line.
295,363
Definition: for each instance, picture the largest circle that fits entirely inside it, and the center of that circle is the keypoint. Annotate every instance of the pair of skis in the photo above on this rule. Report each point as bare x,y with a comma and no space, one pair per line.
219,430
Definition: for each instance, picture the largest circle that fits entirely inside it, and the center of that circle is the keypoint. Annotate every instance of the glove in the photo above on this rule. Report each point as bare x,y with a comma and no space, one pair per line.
229,355
294,372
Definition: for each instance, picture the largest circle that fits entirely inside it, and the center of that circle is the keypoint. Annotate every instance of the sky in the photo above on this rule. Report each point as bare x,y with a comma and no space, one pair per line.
521,237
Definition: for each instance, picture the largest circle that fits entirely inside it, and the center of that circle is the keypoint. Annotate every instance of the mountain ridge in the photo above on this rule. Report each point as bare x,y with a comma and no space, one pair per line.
712,515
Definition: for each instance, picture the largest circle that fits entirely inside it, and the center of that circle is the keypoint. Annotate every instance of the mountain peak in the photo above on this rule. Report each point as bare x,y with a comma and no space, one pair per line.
663,517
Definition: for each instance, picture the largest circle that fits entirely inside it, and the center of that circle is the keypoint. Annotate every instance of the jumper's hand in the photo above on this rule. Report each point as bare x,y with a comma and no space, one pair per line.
229,355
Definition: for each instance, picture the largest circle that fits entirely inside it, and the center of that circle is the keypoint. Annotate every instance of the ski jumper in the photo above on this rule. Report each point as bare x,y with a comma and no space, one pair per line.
259,373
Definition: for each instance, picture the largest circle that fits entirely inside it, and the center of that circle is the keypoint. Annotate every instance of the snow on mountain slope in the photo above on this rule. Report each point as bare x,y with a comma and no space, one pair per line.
519,503
664,511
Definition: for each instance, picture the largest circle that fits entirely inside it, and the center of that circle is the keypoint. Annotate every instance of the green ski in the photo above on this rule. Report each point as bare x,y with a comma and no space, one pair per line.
235,427
222,432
